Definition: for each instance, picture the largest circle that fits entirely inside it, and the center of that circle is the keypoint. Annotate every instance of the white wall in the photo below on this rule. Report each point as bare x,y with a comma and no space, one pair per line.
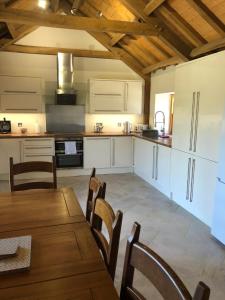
162,81
44,66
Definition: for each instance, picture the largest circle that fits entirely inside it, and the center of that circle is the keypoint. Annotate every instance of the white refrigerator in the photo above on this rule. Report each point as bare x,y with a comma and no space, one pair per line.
218,225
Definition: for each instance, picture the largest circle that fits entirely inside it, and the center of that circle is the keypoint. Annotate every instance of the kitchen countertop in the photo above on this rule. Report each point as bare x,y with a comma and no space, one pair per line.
161,141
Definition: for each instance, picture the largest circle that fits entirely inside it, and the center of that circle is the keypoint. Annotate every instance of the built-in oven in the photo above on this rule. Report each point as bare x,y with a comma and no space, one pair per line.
69,152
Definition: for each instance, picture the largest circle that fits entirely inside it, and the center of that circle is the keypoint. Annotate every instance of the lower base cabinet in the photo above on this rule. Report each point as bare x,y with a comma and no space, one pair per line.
9,148
108,152
193,181
152,163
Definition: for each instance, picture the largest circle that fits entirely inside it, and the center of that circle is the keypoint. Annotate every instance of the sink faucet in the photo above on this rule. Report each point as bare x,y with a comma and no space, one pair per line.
160,122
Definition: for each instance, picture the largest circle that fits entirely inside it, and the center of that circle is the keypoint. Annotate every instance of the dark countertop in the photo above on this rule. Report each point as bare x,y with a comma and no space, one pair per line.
161,141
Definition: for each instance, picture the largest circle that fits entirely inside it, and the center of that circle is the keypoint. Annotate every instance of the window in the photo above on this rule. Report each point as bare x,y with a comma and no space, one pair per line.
163,117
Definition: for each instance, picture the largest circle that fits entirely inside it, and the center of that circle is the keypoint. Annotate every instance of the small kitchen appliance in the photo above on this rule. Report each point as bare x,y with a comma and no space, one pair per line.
5,126
127,126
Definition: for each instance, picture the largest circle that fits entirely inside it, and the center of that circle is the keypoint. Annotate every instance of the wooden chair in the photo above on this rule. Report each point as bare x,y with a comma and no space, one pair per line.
103,212
165,280
33,166
96,190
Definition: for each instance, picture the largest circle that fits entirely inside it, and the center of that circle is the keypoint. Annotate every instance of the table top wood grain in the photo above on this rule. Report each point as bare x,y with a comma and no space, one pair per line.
65,260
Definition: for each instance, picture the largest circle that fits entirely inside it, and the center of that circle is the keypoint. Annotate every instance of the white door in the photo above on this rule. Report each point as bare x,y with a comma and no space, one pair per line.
211,100
134,96
162,169
204,184
184,104
9,148
181,170
18,85
97,152
21,103
122,152
143,159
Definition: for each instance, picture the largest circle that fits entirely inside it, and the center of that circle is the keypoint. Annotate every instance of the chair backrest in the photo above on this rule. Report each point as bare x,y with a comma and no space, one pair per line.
96,190
165,280
33,166
103,212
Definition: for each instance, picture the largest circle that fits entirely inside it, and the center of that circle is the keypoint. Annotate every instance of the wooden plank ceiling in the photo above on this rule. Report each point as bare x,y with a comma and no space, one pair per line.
145,34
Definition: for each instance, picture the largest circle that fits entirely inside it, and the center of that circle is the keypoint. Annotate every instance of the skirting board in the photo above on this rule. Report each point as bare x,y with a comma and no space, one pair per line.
71,172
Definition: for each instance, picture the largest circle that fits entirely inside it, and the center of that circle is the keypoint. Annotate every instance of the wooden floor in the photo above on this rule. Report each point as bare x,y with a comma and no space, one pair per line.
183,241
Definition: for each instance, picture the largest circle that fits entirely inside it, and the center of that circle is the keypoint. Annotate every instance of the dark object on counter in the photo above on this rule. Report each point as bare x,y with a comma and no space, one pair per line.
5,126
151,133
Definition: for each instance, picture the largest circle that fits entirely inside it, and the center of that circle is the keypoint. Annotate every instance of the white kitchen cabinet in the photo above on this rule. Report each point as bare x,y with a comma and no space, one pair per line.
133,97
199,103
143,159
115,96
161,178
27,103
97,152
37,149
20,85
9,148
121,152
193,182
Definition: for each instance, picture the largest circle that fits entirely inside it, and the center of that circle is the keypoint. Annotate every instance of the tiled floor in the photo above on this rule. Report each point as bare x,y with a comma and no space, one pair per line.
183,241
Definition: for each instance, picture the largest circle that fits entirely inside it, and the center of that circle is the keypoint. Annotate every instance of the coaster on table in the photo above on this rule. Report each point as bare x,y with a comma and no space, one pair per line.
18,261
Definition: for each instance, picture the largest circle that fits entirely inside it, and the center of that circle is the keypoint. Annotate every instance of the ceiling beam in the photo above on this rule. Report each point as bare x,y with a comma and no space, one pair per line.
164,33
152,5
54,5
162,64
54,51
116,39
211,46
208,16
74,22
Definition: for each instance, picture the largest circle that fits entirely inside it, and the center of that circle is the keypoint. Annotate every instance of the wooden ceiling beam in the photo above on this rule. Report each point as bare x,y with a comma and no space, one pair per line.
164,33
54,5
74,22
208,16
152,6
211,46
116,39
54,51
162,64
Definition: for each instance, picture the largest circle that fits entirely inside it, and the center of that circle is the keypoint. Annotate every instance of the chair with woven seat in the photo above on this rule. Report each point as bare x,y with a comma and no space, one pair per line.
96,190
158,272
33,166
103,213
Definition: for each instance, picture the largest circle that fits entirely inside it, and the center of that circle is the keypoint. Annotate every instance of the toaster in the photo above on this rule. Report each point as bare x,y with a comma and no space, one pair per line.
5,126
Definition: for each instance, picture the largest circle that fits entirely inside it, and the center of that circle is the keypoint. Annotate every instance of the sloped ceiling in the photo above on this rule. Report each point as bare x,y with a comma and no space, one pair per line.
165,32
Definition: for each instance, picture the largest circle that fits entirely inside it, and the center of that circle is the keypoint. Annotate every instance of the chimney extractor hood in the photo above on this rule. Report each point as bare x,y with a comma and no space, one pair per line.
65,93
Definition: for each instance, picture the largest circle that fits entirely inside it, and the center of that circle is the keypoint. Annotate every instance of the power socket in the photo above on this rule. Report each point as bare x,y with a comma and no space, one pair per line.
119,124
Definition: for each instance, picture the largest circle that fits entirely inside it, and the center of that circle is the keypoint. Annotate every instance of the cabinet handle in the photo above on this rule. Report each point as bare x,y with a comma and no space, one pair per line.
196,121
38,147
188,179
38,140
21,109
192,180
113,154
156,162
192,120
103,110
107,94
20,92
98,138
153,165
126,97
36,155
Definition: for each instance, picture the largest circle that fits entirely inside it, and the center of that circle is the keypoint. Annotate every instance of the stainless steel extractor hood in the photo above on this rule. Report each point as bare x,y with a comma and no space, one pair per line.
65,93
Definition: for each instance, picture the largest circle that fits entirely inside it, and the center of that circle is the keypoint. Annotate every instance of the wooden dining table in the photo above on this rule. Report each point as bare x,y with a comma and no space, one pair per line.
65,260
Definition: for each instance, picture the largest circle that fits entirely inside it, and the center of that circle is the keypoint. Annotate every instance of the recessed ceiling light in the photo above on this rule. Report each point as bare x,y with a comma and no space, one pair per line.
43,4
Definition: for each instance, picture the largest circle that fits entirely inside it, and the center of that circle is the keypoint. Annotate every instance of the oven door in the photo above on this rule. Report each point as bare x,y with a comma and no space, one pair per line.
69,161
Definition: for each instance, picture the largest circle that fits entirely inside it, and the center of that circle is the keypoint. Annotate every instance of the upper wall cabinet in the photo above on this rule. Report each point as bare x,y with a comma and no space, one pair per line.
199,105
20,94
115,96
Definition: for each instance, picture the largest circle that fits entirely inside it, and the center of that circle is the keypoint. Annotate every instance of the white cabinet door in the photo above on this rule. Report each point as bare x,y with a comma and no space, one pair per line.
143,159
162,169
134,97
183,108
9,148
97,152
211,91
122,152
21,103
204,189
107,96
20,85
180,177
